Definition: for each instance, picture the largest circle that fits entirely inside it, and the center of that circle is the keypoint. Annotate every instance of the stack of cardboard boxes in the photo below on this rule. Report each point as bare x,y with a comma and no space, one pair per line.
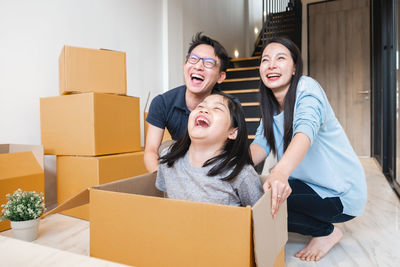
92,127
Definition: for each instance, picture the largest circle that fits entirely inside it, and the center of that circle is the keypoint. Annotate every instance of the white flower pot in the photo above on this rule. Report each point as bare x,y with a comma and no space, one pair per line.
25,230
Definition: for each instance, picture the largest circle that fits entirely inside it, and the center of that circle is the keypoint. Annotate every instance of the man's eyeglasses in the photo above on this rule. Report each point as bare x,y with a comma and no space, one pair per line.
209,63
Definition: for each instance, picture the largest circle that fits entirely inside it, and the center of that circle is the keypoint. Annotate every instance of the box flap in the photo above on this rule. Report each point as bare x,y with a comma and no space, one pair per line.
142,185
18,165
270,235
36,150
13,148
75,201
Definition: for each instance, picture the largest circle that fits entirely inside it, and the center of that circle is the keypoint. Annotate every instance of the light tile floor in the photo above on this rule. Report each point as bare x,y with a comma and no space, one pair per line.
372,239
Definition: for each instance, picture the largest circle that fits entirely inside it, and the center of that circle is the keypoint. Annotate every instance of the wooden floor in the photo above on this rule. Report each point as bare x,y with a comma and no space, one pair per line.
372,239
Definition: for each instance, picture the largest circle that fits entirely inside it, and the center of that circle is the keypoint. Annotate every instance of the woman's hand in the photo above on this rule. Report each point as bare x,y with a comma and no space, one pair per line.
280,189
277,180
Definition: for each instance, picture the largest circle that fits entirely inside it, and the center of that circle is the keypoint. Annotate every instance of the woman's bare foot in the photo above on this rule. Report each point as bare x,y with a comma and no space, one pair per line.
319,246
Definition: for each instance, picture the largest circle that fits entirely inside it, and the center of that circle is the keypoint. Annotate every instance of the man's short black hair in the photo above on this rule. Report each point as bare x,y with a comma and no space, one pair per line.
219,50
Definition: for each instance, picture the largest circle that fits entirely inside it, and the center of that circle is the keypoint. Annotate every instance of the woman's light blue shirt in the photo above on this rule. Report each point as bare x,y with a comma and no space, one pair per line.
330,166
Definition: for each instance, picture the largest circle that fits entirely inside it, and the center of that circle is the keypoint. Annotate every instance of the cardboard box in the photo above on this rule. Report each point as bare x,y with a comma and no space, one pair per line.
20,169
92,70
75,173
90,124
131,223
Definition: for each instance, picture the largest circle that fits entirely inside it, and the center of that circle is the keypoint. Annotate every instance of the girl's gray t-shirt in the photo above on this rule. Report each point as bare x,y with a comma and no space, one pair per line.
186,182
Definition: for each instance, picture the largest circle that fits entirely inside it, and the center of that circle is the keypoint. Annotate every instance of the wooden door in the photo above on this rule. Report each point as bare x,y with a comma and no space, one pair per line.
339,59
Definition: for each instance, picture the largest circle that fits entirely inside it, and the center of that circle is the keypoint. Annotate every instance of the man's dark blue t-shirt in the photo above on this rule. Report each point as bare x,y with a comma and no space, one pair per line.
169,111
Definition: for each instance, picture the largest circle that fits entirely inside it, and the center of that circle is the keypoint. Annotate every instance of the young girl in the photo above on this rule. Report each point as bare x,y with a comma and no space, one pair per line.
211,162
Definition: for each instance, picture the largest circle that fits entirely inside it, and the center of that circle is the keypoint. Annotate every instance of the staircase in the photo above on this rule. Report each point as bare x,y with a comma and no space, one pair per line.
282,20
281,24
243,81
243,77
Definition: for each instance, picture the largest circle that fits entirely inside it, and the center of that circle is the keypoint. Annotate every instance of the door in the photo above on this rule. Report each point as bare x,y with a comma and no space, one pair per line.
339,59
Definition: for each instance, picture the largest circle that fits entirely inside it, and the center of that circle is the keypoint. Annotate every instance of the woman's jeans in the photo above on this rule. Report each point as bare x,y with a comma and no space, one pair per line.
309,214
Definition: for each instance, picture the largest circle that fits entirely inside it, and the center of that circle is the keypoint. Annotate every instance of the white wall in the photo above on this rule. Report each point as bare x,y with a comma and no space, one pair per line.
33,34
255,21
223,20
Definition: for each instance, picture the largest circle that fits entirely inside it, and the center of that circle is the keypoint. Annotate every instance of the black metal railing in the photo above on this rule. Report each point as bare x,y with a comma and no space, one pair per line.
281,18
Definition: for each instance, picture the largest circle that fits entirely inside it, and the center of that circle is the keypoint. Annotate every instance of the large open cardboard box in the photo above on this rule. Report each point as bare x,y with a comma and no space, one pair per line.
76,173
90,124
92,70
131,223
21,166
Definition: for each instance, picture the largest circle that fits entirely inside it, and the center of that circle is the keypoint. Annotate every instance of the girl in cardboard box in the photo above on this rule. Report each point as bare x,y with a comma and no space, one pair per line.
211,162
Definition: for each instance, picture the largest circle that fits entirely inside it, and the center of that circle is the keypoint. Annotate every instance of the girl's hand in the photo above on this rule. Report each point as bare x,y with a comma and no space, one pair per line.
280,189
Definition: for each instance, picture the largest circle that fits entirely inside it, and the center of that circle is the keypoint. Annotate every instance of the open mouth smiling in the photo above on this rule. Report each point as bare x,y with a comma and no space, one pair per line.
202,121
273,76
197,77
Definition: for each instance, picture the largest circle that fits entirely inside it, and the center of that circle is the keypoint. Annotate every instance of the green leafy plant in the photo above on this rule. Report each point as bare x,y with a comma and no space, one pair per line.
23,206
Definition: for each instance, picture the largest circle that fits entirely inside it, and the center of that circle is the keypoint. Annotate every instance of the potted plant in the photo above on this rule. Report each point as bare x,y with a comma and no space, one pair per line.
23,209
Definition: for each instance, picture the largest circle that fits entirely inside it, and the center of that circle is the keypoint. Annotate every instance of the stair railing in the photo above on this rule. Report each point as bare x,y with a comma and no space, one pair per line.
271,7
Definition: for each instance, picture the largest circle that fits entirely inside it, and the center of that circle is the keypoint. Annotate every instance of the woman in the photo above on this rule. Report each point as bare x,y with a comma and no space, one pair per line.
317,172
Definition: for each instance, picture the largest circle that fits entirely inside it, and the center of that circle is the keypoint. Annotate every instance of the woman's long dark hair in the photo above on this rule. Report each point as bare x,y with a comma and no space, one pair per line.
235,154
269,104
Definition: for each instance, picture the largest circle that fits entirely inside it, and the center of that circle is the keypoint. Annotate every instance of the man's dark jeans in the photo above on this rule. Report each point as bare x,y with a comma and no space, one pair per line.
309,214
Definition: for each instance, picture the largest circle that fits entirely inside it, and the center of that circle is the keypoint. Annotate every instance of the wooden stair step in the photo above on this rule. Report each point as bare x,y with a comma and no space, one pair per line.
250,104
243,69
244,95
241,79
241,91
252,119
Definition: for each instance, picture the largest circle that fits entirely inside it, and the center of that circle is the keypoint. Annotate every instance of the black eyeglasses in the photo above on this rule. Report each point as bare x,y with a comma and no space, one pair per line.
209,63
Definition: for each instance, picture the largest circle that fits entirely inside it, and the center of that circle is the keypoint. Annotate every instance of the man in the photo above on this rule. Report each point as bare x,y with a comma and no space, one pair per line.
205,66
